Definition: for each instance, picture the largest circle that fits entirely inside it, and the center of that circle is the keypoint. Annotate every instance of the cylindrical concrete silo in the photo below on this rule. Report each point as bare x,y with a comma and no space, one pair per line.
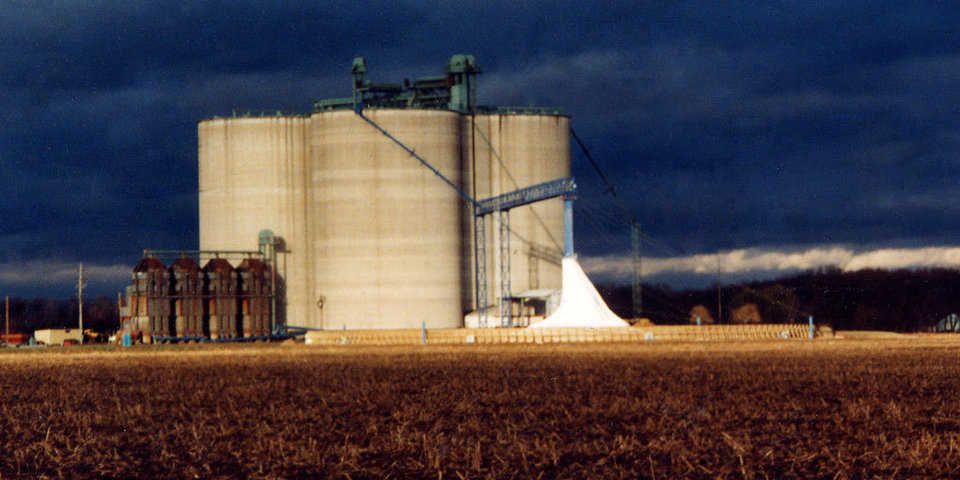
253,177
386,232
505,152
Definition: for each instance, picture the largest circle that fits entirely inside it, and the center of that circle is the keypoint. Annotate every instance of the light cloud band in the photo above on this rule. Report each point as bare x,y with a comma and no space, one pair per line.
55,273
764,260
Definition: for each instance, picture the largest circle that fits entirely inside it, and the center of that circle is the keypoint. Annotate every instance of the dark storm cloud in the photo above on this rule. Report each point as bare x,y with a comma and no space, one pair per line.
734,162
725,125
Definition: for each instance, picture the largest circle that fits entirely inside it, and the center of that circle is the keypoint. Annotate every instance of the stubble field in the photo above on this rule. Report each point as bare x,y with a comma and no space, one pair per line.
775,409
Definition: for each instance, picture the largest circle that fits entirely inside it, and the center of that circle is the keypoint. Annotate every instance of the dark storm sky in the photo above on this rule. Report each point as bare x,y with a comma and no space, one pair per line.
825,132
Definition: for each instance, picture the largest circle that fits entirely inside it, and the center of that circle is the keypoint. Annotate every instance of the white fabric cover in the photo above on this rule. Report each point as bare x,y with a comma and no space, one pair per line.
580,304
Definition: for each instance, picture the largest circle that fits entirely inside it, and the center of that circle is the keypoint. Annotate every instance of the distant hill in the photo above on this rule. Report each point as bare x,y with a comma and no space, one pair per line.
901,300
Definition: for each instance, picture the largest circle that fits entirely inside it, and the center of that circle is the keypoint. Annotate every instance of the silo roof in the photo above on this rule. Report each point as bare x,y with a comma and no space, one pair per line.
185,264
148,264
252,265
218,265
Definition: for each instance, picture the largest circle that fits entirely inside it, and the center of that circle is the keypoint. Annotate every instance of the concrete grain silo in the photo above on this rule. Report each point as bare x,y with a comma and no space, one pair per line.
385,231
253,177
371,238
505,152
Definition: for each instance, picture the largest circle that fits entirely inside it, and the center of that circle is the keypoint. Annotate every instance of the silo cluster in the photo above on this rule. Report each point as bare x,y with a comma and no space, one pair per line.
185,302
368,237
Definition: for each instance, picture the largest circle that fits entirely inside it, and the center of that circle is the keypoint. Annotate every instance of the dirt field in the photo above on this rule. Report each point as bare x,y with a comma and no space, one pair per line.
844,408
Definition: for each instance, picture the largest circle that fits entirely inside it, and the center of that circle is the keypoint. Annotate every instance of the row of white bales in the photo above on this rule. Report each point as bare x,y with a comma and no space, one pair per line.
371,238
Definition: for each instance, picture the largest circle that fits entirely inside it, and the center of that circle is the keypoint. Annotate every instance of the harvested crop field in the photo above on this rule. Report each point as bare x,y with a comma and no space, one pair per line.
774,409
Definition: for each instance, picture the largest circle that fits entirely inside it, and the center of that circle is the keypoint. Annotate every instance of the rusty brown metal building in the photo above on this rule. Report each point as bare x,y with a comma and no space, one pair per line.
255,290
187,297
221,298
151,298
187,303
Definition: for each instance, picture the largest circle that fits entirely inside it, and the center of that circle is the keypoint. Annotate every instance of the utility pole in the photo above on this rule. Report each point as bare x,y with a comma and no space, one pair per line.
80,301
637,272
6,302
719,305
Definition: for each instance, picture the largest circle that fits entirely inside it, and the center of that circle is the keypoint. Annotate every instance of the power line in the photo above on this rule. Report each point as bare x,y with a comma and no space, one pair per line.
516,186
609,187
634,225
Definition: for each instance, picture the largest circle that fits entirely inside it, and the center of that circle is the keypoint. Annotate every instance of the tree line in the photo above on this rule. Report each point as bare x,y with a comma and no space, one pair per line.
27,315
899,300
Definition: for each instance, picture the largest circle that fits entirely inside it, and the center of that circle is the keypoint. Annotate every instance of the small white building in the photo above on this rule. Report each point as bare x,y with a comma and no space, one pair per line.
526,308
56,336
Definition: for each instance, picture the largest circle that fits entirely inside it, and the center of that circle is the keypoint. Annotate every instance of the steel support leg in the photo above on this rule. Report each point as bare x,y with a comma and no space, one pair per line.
505,310
637,272
480,277
568,225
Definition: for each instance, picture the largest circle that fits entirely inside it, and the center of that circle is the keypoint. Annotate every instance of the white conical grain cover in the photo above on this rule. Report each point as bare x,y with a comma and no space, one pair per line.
580,304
